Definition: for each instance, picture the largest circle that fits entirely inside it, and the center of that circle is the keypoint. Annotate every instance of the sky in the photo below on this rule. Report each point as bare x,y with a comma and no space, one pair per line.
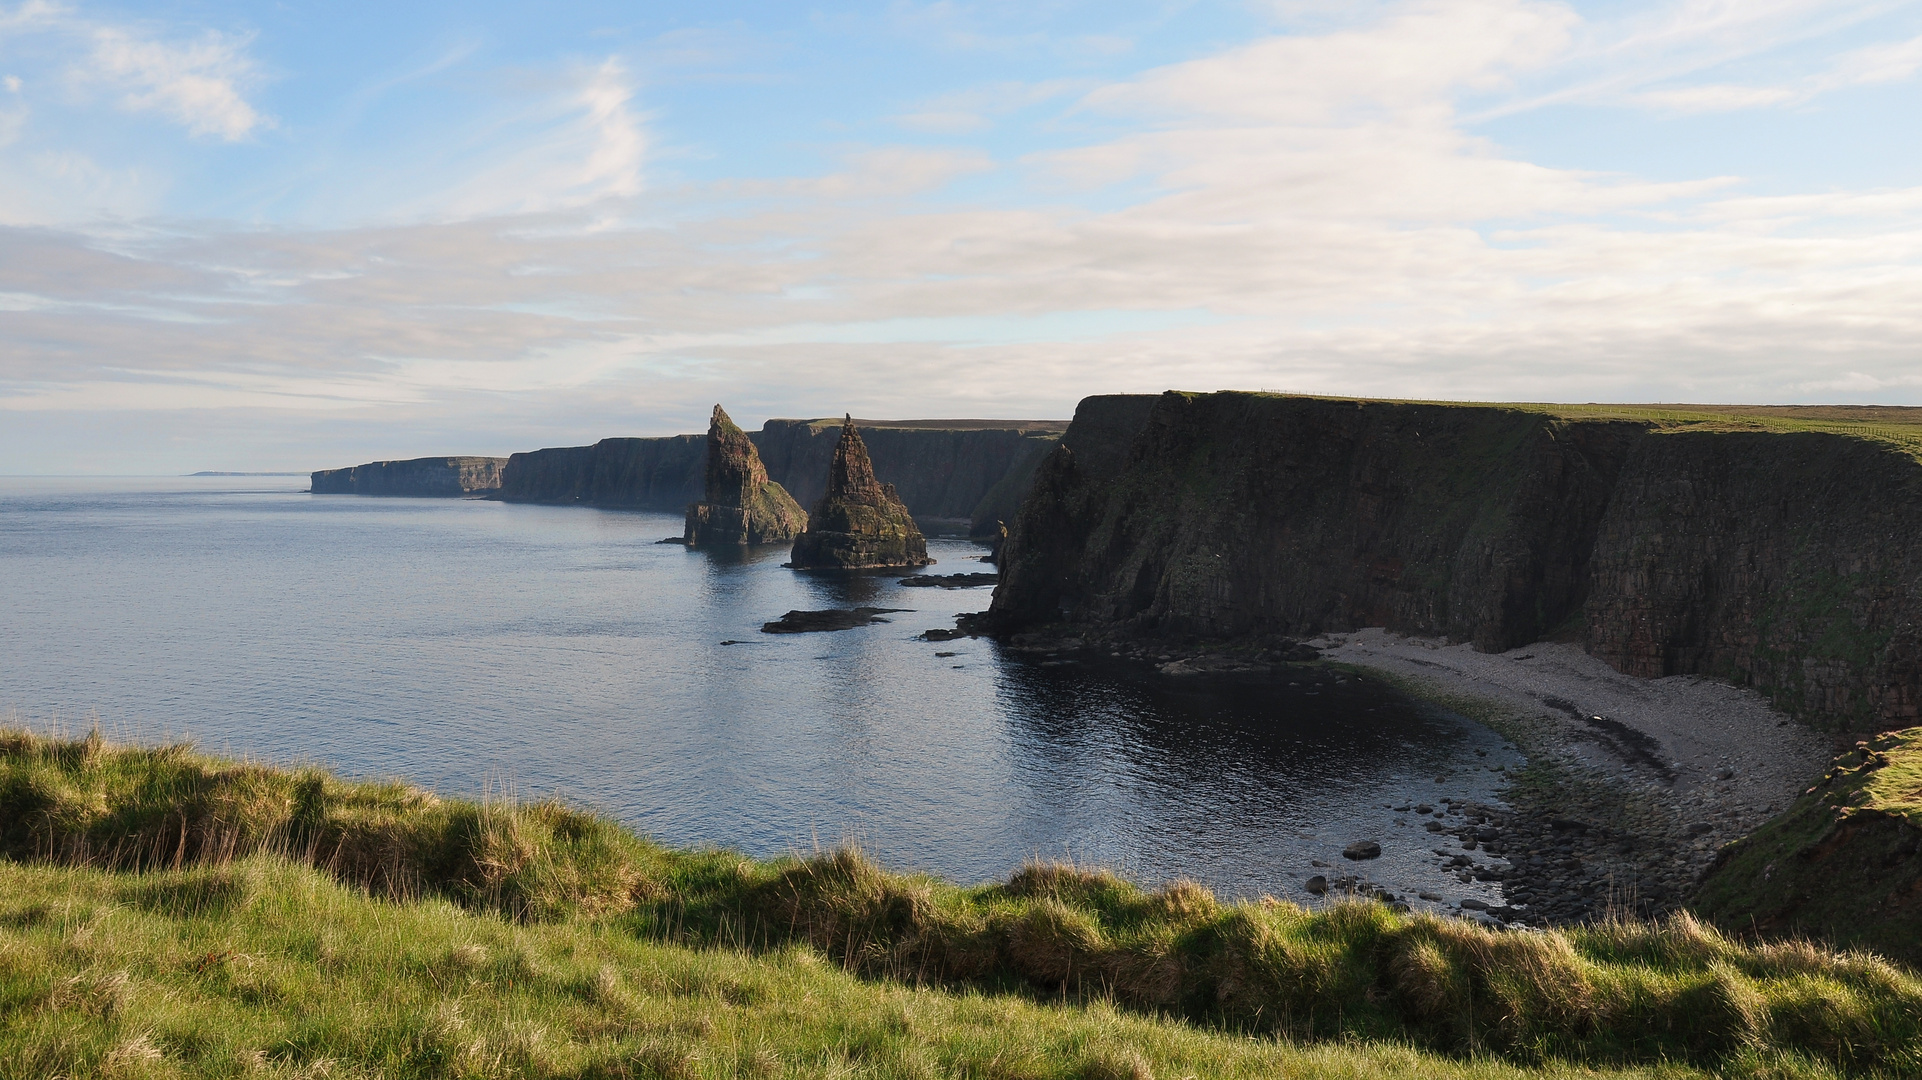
266,236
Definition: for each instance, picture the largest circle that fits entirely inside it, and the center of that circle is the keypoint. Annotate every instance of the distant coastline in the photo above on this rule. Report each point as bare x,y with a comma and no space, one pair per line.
210,472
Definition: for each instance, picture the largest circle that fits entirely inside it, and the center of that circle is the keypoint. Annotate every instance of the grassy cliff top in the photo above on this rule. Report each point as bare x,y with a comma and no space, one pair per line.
162,830
1899,426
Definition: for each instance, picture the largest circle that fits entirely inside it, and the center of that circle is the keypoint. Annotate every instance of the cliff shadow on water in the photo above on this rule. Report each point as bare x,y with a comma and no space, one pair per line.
1753,550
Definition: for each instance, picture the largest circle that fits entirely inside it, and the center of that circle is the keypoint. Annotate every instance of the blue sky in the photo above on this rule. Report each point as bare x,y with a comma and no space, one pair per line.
299,235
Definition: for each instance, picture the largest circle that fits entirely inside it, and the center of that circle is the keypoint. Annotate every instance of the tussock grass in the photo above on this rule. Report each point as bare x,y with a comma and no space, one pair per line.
183,838
304,977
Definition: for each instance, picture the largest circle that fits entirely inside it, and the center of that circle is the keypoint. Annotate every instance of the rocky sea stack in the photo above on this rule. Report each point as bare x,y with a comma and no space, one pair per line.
859,522
743,506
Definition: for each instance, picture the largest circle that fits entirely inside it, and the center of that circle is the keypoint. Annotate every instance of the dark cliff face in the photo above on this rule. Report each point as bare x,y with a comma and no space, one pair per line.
742,506
637,474
859,522
977,470
1236,513
441,477
973,469
1787,561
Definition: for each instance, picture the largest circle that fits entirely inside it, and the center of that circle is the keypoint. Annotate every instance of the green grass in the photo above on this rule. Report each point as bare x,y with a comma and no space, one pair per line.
230,917
1894,786
1897,426
1841,861
265,968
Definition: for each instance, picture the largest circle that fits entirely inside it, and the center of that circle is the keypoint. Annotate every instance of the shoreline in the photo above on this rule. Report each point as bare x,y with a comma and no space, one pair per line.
1633,784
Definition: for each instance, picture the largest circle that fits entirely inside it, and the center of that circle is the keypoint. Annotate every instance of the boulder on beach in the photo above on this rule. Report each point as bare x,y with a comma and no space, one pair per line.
743,506
859,522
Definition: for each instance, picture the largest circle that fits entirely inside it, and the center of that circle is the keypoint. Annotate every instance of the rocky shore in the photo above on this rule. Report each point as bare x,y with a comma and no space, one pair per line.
1633,785
1629,789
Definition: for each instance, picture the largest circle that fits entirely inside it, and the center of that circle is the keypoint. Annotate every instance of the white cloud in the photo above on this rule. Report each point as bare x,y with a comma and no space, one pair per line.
199,83
1409,61
1718,98
567,149
195,83
1870,65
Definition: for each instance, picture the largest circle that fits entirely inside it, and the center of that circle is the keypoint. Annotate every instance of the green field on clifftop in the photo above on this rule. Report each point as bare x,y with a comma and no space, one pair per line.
165,913
1897,425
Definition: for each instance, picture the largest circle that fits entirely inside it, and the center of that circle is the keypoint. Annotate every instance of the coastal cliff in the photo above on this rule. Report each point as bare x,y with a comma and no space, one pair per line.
436,477
634,474
1746,545
972,469
957,469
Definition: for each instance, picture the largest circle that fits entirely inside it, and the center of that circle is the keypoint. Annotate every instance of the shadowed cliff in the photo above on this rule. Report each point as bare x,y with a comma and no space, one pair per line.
975,470
1768,547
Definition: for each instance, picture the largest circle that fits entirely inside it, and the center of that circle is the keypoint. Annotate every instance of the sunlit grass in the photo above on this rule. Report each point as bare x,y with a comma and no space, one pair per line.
166,903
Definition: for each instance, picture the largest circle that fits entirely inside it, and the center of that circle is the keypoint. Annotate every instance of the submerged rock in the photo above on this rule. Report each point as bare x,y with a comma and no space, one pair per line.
808,622
859,522
951,581
743,506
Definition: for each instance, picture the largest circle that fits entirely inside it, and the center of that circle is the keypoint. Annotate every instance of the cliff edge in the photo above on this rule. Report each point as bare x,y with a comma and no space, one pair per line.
1761,546
859,521
743,506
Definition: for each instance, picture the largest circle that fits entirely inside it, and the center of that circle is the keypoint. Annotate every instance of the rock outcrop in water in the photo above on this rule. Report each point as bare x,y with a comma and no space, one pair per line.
1779,558
859,522
435,477
743,506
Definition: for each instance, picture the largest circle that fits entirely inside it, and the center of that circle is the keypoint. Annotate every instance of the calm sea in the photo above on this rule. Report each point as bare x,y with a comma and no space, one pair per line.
476,646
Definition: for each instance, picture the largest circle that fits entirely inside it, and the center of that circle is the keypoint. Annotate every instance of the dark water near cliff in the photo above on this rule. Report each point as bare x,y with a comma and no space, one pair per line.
476,645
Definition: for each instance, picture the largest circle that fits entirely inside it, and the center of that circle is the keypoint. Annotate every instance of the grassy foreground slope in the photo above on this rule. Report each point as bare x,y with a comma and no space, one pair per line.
265,968
1841,862
167,910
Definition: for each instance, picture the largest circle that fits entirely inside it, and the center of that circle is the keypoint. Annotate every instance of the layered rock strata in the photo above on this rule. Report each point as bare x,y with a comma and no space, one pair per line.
1786,560
435,477
743,506
859,522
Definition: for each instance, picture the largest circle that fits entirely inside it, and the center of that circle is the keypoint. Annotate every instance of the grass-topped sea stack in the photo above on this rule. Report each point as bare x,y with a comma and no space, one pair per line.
743,506
859,522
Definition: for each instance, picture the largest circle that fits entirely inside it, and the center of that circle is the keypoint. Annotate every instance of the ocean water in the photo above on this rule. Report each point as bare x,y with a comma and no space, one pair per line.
480,647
